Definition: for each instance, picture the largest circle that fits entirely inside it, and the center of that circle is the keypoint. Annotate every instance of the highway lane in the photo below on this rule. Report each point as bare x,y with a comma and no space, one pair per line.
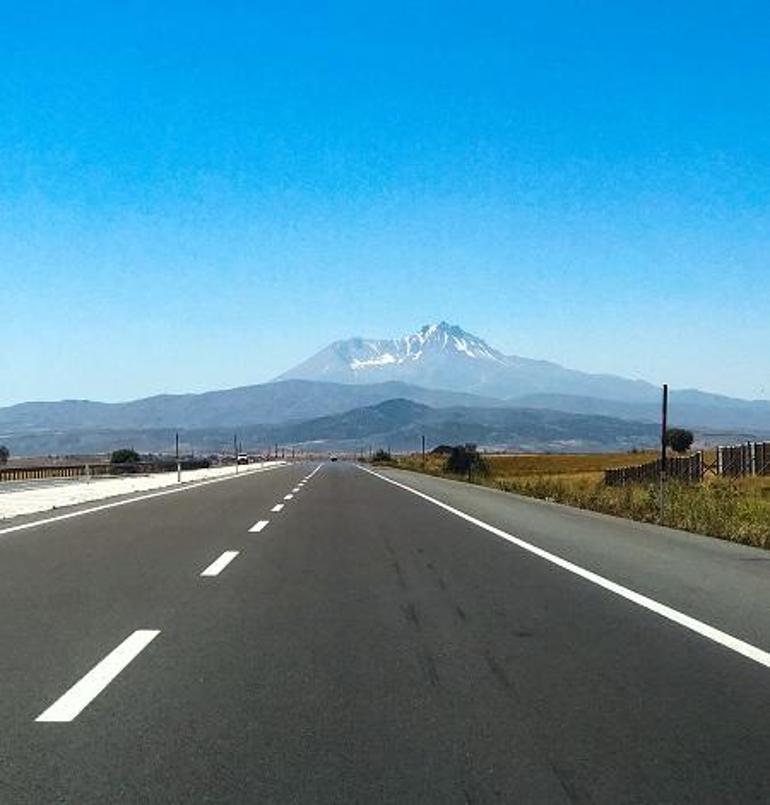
363,646
722,583
70,588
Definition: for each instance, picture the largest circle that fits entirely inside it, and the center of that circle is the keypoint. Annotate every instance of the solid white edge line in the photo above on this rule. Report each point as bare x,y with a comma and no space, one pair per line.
188,486
219,564
258,526
277,507
83,692
741,647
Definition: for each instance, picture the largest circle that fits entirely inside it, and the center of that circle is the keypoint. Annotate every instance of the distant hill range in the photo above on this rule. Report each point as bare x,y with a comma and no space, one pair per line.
441,381
397,423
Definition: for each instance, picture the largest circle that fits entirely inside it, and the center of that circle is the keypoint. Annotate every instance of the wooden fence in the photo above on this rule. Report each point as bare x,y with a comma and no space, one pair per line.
732,461
94,470
683,468
740,460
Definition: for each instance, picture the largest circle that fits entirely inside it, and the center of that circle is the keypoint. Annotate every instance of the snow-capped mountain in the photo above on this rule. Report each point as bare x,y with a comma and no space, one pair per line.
430,340
447,357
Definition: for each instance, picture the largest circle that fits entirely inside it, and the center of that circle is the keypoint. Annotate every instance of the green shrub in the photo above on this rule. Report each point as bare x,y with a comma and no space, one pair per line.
679,439
125,455
466,460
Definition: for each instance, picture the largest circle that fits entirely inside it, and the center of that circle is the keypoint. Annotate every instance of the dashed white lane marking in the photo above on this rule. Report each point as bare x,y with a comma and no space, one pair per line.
277,507
218,565
258,526
308,477
83,692
295,490
288,497
699,627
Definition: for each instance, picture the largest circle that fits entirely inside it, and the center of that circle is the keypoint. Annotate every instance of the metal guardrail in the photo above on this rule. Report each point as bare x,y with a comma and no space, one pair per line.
96,470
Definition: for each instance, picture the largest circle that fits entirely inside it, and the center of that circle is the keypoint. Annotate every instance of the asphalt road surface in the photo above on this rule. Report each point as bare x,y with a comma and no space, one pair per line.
330,636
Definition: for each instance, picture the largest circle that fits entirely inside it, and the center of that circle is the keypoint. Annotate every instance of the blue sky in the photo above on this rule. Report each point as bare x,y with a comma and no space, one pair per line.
200,195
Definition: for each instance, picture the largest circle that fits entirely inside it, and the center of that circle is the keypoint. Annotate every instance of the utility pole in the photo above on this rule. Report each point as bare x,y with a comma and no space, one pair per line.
235,451
178,463
423,450
663,451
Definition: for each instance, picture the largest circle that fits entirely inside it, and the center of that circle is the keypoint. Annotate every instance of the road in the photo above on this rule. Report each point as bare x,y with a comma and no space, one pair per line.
378,638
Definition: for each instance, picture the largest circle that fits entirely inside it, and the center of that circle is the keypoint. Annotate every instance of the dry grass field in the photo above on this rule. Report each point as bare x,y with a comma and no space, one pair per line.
737,510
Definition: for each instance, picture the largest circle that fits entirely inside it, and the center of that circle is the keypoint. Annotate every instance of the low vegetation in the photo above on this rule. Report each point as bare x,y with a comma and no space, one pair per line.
732,509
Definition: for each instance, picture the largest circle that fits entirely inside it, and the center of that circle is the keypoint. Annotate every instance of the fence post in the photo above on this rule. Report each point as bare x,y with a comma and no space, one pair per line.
663,446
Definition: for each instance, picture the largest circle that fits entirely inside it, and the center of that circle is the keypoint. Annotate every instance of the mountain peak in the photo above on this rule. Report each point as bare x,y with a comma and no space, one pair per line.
440,327
451,338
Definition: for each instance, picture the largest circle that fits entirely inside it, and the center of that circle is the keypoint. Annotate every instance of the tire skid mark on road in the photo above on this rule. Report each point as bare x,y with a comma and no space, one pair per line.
711,633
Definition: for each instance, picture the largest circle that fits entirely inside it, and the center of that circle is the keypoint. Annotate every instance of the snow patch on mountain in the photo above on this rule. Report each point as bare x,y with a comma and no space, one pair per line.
431,339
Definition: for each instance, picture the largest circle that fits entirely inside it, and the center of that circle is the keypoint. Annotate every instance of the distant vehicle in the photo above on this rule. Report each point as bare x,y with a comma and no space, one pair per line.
243,459
332,458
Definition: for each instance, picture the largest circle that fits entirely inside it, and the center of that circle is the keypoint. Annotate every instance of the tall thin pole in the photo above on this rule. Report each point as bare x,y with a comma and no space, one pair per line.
178,463
235,451
423,449
663,456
